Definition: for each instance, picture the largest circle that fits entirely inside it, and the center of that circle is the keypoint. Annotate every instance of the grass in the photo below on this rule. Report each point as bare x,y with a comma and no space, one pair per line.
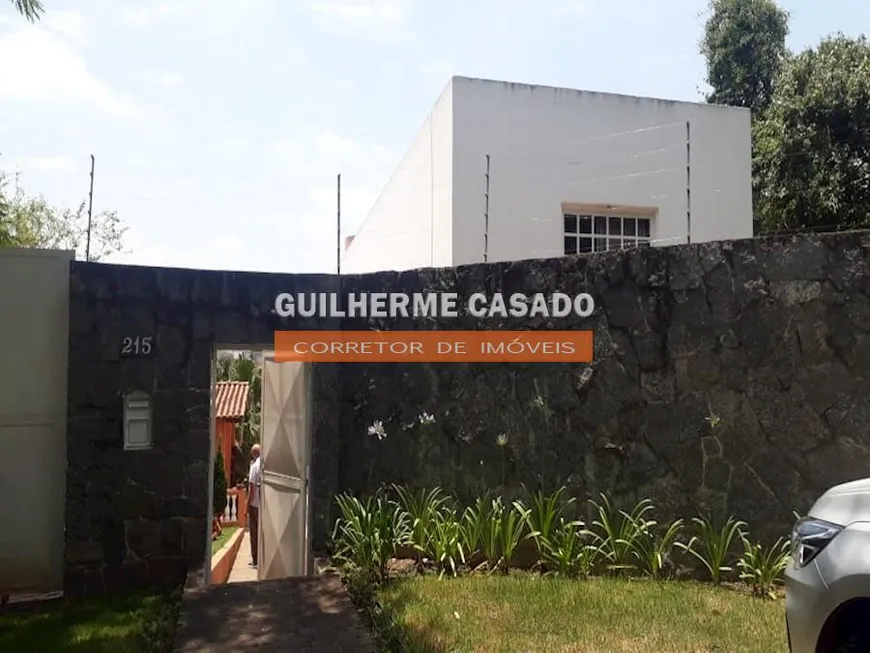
524,612
133,623
223,538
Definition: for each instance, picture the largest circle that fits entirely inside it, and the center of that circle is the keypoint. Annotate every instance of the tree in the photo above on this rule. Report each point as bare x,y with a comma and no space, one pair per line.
244,367
744,48
219,502
810,122
812,146
29,221
32,10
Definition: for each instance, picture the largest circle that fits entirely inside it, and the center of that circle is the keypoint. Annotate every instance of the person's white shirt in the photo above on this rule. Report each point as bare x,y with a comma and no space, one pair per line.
254,481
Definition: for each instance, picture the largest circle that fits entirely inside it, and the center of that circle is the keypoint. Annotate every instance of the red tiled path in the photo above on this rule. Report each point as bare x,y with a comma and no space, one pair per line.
302,615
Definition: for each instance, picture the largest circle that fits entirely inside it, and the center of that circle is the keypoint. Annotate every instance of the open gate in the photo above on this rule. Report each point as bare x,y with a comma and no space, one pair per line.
285,440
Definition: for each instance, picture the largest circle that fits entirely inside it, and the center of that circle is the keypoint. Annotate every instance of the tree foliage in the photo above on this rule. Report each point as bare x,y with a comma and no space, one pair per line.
219,498
32,10
244,367
744,47
813,143
811,116
30,221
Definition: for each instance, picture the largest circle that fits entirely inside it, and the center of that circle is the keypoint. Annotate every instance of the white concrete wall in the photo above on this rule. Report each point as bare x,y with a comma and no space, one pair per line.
410,225
34,288
549,146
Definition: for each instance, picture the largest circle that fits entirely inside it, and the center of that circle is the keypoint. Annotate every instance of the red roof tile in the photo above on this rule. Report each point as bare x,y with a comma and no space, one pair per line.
231,399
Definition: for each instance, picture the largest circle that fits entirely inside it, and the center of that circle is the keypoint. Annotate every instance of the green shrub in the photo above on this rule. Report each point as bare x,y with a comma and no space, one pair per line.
219,499
762,567
652,548
422,509
488,533
712,545
504,527
569,549
545,513
475,521
368,532
619,531
444,541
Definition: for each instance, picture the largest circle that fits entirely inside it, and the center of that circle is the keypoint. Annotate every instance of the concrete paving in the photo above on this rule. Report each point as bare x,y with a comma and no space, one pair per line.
241,571
299,615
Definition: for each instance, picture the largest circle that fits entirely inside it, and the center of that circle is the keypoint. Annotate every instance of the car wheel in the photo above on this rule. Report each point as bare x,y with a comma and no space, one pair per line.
845,631
851,643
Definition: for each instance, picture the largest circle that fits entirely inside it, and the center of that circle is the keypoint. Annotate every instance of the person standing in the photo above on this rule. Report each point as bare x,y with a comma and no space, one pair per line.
254,480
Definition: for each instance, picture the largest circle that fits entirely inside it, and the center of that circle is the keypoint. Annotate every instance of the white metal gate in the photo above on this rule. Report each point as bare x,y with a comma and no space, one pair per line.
285,438
34,301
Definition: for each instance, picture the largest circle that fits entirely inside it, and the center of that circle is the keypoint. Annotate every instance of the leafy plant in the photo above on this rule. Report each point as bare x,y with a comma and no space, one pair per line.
219,494
712,545
762,567
545,512
502,532
475,520
652,550
489,536
30,221
512,522
619,531
368,532
445,541
569,549
422,508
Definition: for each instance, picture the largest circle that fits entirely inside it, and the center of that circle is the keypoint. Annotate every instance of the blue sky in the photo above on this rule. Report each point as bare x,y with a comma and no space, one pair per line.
218,127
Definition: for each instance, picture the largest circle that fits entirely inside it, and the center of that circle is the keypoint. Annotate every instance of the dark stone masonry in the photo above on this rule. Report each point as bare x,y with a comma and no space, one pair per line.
732,377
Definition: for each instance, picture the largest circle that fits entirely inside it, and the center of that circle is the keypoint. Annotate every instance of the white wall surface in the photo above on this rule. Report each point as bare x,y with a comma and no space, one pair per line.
548,146
34,288
410,225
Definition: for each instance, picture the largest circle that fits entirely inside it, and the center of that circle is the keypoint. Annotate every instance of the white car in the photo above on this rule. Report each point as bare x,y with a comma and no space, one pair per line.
827,582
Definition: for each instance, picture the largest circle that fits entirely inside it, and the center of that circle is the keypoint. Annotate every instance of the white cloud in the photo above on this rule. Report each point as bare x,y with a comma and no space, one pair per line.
36,65
162,79
288,148
356,201
225,252
438,73
326,154
69,24
231,145
356,11
332,144
36,163
215,17
157,11
334,149
436,69
380,21
567,7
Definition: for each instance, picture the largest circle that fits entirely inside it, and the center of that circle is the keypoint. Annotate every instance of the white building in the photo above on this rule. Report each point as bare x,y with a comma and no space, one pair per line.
569,171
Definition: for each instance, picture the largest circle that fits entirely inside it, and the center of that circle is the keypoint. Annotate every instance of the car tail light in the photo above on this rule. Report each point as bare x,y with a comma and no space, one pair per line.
809,537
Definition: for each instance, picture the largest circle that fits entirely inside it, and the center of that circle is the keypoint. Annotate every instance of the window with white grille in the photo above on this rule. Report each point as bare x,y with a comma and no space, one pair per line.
586,233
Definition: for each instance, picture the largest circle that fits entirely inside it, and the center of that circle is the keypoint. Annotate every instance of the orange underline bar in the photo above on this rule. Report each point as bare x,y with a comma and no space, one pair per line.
434,346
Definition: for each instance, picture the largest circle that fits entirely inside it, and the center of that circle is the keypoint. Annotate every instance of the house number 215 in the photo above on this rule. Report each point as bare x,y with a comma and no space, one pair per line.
137,346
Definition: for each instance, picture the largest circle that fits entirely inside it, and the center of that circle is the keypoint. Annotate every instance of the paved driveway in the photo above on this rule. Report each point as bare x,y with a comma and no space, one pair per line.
302,615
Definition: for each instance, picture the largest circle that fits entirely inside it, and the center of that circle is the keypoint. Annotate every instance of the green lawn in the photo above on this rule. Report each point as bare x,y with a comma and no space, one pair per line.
125,624
522,613
225,536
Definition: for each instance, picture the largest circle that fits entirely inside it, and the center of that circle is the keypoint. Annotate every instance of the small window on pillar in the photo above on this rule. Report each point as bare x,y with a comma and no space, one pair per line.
137,420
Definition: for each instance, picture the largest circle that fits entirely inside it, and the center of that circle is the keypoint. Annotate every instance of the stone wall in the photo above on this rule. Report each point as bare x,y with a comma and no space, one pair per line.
731,378
771,336
136,518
